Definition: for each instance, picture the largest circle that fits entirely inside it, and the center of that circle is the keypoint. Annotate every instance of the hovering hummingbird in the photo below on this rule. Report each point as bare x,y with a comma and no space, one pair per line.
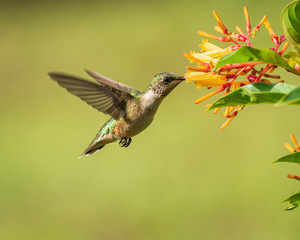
131,111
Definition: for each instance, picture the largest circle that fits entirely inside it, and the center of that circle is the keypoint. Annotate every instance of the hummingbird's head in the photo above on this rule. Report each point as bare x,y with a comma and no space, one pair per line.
163,83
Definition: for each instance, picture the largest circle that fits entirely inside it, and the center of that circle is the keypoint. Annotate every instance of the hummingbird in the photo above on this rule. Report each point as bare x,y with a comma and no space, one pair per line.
131,111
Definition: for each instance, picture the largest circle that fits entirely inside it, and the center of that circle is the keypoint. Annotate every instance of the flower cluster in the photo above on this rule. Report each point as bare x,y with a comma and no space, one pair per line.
224,79
293,150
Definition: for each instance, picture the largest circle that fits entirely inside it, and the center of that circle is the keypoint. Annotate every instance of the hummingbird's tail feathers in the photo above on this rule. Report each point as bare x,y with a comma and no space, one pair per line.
91,150
103,137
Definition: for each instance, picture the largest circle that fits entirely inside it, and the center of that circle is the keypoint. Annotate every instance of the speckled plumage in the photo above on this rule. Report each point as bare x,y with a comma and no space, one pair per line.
131,111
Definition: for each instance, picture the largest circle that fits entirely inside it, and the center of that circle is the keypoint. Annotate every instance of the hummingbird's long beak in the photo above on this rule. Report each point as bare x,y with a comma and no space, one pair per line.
180,78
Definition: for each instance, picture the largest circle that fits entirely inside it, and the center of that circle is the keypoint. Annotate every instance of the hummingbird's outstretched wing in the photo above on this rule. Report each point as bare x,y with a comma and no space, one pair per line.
104,97
109,82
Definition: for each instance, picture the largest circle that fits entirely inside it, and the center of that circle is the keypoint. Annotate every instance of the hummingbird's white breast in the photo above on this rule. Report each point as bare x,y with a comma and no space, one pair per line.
149,100
140,116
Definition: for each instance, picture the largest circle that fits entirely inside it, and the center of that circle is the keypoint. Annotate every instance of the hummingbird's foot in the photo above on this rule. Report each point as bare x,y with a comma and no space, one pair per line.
124,142
128,142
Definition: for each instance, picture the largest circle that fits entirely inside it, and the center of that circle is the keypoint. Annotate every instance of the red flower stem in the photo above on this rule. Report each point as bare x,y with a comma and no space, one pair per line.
272,76
282,38
236,75
239,65
249,43
228,84
277,43
236,43
263,72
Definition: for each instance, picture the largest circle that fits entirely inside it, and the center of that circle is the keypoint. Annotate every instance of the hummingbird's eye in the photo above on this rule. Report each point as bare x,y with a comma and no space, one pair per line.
167,79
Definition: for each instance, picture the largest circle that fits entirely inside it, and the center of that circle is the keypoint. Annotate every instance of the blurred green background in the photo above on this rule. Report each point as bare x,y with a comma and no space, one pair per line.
182,178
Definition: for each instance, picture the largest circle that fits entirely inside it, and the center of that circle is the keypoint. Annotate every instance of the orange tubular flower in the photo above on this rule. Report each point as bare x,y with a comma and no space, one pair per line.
293,150
204,73
205,79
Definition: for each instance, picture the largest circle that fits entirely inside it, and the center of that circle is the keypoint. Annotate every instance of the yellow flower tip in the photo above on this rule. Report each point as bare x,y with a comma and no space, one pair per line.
294,141
188,56
205,79
208,35
208,105
292,136
239,30
185,54
199,68
236,85
227,123
203,98
256,28
216,110
186,76
226,112
246,11
222,28
262,20
284,47
272,68
232,108
247,19
209,84
199,100
216,15
199,58
266,81
218,29
289,147
207,46
270,30
220,23
291,176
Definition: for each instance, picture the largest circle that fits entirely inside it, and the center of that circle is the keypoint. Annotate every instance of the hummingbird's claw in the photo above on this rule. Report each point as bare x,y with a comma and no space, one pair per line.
125,142
128,142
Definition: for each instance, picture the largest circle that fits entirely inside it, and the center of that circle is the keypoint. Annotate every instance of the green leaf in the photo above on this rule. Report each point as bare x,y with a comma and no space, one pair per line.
294,201
256,93
292,158
292,98
292,58
246,54
290,23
